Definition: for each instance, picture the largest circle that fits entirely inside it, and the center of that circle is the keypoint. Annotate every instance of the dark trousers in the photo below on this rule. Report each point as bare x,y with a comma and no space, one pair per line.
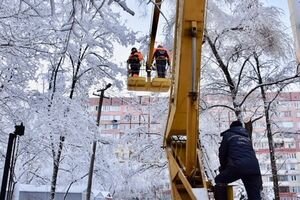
135,69
252,182
161,68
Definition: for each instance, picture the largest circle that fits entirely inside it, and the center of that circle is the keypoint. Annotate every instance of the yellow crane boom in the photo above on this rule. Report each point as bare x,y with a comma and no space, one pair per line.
153,32
182,131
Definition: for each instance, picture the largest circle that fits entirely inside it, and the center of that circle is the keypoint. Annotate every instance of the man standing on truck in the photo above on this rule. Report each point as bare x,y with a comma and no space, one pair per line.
238,161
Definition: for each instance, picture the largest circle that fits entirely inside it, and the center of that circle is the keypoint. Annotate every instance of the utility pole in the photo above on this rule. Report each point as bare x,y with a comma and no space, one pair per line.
19,131
91,170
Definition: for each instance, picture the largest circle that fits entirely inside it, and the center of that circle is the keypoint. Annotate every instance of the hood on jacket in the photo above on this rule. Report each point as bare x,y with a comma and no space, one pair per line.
238,130
236,123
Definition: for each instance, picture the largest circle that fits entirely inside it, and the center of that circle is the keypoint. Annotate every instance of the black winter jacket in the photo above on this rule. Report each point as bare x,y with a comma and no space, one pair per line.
236,151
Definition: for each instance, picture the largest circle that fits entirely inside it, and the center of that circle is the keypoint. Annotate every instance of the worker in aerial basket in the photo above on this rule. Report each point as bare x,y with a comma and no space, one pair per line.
134,62
162,58
238,161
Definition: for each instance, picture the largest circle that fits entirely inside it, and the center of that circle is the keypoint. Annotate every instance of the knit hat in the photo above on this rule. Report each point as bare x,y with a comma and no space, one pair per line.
236,123
133,50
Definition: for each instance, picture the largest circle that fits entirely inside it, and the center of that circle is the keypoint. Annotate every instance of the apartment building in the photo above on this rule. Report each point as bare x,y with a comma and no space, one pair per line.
120,114
285,120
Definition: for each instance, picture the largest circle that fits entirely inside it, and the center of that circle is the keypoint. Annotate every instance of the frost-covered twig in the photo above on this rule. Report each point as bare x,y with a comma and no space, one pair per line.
123,5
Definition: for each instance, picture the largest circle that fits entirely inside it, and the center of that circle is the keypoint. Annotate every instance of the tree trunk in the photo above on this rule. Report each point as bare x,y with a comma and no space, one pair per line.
249,128
271,147
269,133
56,161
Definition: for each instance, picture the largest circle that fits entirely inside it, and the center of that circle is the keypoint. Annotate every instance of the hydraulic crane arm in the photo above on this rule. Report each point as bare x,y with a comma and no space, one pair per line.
182,131
181,137
153,32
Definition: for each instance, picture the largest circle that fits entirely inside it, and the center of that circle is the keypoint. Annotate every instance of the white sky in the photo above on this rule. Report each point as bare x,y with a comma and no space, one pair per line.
283,4
141,22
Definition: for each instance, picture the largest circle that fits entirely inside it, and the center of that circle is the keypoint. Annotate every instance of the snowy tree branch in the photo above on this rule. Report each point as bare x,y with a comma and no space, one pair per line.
123,5
267,84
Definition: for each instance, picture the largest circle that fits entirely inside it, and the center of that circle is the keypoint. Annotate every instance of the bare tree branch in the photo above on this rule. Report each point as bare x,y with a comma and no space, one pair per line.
123,5
267,84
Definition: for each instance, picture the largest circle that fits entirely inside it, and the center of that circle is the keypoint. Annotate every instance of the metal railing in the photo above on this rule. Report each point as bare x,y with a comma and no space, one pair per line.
154,74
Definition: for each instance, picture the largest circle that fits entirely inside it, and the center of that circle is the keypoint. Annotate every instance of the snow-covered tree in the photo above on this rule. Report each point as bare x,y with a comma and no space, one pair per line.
246,50
67,47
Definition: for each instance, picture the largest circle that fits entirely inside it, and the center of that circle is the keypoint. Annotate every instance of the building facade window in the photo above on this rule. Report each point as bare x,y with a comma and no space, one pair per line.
115,126
293,178
135,117
284,189
280,178
287,124
115,108
292,155
291,145
279,145
116,117
110,117
297,104
281,166
105,117
107,127
292,166
283,178
283,104
295,189
105,108
287,113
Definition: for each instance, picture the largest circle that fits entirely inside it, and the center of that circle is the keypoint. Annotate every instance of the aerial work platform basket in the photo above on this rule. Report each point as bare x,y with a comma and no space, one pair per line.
148,84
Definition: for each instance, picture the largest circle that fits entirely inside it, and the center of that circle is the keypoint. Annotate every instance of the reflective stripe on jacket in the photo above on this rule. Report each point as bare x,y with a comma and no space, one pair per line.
161,54
134,58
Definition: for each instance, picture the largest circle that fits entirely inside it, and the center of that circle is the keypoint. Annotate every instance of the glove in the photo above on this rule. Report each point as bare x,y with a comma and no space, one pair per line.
148,68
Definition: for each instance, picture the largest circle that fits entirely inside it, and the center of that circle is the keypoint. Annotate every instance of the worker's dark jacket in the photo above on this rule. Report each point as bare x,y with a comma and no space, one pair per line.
161,56
135,58
236,151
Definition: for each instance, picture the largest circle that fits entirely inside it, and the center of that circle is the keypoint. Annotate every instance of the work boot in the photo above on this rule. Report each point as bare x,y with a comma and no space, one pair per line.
220,192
